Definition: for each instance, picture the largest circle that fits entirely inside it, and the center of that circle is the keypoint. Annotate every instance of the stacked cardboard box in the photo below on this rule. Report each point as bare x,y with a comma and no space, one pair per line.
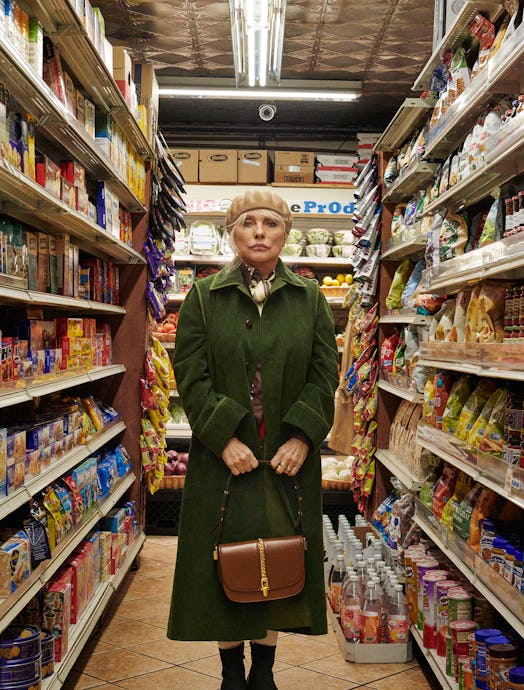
294,167
336,169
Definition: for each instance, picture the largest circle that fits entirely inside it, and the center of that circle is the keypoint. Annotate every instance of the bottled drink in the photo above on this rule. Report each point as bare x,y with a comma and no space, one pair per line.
383,608
350,613
370,628
335,584
398,620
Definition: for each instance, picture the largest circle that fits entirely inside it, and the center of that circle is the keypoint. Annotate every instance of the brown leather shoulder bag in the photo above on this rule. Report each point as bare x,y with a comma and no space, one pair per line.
261,569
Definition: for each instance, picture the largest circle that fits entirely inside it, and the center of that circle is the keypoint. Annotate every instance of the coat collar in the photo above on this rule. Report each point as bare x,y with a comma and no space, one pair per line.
284,275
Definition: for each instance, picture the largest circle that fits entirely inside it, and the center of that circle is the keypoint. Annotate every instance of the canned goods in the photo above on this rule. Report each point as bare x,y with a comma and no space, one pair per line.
481,671
20,671
442,589
429,604
48,653
423,566
460,605
19,642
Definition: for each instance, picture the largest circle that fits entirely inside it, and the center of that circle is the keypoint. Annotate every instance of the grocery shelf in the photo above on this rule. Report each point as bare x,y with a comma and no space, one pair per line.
177,430
11,606
507,601
408,316
221,260
412,113
29,202
16,294
57,469
500,258
400,392
396,467
16,392
176,299
415,177
500,76
476,369
502,162
455,36
412,244
67,31
80,632
437,663
485,469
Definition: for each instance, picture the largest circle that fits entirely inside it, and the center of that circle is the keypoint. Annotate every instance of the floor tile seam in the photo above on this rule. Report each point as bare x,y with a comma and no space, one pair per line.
334,675
353,685
136,675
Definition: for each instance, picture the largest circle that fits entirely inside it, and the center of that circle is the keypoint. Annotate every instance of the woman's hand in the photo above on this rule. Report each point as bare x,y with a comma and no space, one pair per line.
238,457
290,457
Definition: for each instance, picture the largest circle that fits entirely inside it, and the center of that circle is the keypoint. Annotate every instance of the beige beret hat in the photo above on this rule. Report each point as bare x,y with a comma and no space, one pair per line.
255,199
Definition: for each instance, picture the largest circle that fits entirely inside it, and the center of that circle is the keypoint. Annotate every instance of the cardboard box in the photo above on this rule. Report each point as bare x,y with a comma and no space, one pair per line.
294,174
347,160
57,614
146,85
31,239
252,167
294,158
43,261
217,166
187,162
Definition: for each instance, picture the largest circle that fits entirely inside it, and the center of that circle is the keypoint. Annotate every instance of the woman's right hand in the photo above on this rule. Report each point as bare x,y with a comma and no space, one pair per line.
238,457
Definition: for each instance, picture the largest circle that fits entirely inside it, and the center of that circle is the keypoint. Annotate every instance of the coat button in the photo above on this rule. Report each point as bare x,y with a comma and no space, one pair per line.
249,323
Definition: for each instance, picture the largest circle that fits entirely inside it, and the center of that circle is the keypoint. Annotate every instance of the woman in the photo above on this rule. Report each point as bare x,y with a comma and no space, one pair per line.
256,367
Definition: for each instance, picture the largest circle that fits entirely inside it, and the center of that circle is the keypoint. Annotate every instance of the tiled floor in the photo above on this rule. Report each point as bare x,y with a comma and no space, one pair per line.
131,650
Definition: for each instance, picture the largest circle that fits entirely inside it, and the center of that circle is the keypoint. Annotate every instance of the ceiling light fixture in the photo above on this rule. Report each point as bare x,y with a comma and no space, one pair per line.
259,94
257,32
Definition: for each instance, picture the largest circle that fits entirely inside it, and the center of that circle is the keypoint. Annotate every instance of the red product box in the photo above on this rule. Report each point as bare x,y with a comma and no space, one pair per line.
129,530
74,172
89,327
57,614
72,327
78,586
95,267
125,90
48,175
118,546
116,285
86,549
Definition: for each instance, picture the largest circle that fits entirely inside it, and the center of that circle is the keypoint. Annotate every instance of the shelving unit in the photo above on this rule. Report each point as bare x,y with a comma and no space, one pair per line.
406,316
397,468
12,605
411,114
80,633
409,395
503,259
60,135
484,469
506,600
437,663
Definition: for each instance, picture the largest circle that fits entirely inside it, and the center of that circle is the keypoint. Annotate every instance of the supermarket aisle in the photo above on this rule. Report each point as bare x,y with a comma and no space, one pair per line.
132,651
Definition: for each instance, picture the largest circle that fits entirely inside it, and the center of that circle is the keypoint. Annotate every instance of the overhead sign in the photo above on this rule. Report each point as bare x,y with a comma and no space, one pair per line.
304,201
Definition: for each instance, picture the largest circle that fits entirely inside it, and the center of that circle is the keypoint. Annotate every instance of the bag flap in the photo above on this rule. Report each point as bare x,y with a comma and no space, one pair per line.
239,564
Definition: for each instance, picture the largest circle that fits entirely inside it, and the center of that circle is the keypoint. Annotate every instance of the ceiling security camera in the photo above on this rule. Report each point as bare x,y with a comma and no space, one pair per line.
267,111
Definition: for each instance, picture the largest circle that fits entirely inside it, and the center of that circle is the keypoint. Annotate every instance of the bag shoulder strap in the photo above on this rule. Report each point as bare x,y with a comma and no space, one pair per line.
298,523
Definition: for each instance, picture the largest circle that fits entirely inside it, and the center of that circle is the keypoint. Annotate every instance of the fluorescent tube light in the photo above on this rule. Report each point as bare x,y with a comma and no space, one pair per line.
258,94
257,32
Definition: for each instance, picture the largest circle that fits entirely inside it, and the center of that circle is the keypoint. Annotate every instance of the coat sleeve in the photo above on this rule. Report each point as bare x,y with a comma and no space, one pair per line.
313,411
213,417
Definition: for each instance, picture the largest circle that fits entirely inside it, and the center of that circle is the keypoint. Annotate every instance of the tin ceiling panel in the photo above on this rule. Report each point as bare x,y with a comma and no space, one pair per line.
382,43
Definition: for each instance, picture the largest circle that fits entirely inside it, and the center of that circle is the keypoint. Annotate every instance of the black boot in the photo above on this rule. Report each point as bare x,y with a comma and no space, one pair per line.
233,672
261,673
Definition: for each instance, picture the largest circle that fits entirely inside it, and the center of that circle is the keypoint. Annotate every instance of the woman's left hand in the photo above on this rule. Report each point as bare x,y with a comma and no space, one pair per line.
290,457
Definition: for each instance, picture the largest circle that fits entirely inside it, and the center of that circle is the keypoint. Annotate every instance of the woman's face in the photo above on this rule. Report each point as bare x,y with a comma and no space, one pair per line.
259,240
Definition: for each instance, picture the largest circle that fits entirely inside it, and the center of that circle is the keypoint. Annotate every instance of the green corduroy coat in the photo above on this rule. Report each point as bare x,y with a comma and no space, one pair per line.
221,338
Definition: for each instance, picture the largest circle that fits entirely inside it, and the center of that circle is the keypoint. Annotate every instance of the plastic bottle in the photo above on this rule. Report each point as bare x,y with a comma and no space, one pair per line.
335,584
350,611
370,630
398,619
383,608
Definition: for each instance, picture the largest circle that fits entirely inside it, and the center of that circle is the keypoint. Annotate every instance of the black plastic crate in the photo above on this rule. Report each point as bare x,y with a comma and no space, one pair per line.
335,503
163,512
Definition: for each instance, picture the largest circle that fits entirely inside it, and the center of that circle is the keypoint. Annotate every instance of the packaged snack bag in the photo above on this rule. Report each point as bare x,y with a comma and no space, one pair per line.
472,316
387,351
457,333
393,299
443,382
406,298
462,486
490,320
483,508
473,407
459,394
443,322
453,236
494,224
428,413
444,489
495,405
464,510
